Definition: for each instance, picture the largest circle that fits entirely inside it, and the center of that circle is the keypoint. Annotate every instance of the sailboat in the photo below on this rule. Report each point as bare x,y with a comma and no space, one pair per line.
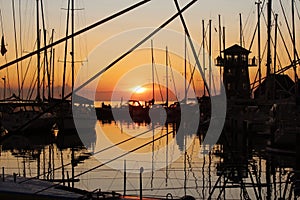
27,116
83,107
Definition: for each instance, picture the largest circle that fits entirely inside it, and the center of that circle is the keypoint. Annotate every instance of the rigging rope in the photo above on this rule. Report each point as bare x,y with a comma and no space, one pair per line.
160,90
174,85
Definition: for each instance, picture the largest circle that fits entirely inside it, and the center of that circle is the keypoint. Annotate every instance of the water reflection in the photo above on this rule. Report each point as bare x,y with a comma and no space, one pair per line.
238,167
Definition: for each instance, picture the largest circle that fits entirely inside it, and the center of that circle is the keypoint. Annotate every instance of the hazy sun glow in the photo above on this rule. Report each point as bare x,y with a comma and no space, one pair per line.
139,89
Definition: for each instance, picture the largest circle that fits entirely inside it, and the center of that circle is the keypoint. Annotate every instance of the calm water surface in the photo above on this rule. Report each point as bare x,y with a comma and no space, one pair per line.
172,162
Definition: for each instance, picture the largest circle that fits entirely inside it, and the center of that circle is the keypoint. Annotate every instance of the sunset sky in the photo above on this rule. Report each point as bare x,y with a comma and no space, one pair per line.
97,48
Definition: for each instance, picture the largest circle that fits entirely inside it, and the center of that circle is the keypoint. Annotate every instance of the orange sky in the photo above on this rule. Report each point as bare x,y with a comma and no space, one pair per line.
150,15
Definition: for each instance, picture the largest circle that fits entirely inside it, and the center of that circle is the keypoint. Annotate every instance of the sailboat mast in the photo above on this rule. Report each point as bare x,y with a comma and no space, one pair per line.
275,43
203,48
53,72
241,31
167,77
269,82
209,60
66,52
294,48
185,77
72,41
224,38
220,47
269,38
38,96
152,61
258,43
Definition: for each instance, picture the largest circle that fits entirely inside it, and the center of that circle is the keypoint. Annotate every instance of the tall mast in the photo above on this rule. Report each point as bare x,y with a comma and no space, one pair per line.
220,48
258,42
46,64
66,52
167,78
275,43
152,61
241,31
203,43
294,48
72,41
269,38
269,82
38,96
185,77
224,38
53,72
209,60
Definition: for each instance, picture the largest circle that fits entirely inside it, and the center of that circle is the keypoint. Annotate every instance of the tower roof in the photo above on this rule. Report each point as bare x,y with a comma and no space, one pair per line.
236,49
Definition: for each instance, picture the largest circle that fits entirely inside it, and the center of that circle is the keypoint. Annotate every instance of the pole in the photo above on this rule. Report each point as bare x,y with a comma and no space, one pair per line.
53,67
167,79
203,43
3,174
152,61
268,90
241,31
294,48
66,52
124,184
72,41
39,164
209,60
185,77
269,38
220,49
38,96
275,42
141,183
4,83
258,43
224,38
73,165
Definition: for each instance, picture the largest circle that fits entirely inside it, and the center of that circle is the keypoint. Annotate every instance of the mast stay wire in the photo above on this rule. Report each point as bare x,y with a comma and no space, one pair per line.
180,11
244,28
291,37
110,66
27,69
174,85
159,86
96,24
192,74
194,68
260,13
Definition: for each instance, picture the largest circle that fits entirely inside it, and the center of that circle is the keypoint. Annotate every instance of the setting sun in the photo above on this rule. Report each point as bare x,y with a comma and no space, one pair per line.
139,90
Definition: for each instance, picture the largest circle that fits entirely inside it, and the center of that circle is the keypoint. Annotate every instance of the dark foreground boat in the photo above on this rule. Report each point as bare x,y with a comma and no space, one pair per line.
13,187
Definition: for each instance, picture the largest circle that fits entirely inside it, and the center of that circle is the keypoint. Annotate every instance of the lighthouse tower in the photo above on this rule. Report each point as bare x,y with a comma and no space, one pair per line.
236,63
